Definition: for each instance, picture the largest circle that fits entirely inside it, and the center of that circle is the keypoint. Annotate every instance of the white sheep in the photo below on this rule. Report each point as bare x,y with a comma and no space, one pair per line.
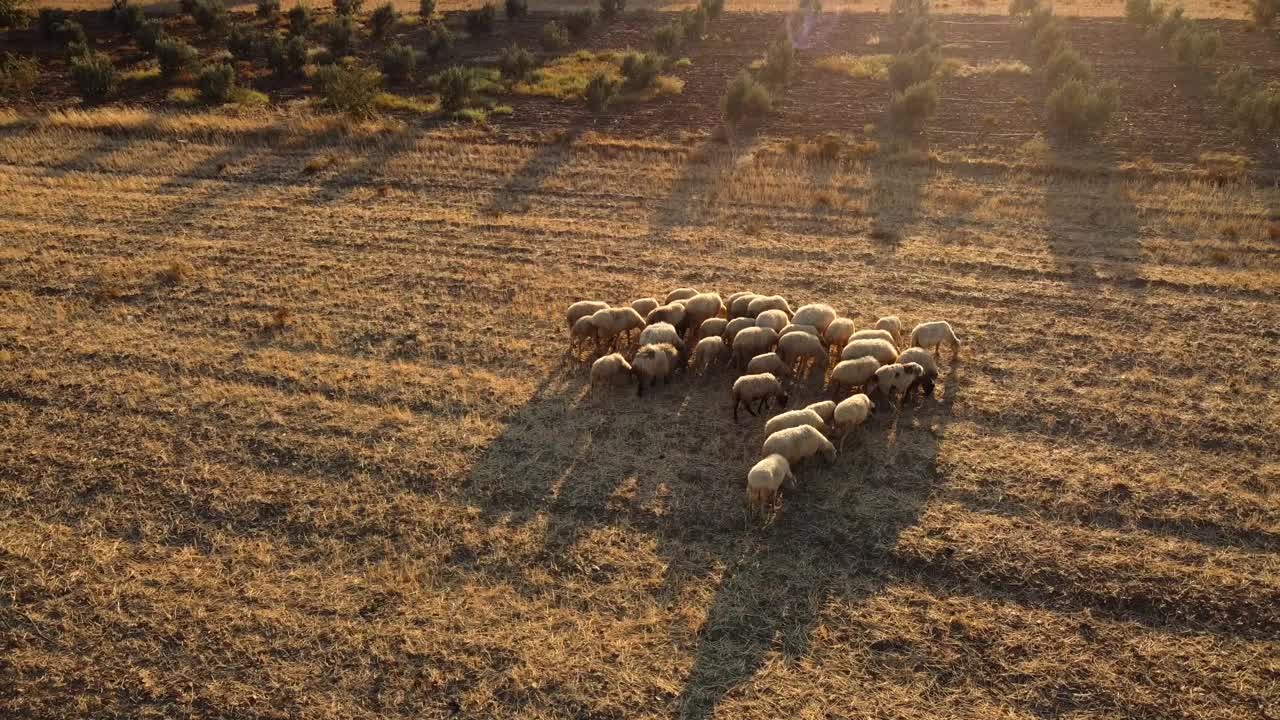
768,363
653,363
612,322
670,313
770,302
751,342
610,369
736,326
700,307
708,352
644,306
929,335
881,350
890,324
712,328
765,478
897,378
825,409
884,335
794,418
683,293
796,328
795,347
818,315
738,304
728,302
757,388
838,334
661,332
853,373
581,309
582,334
798,443
852,412
927,361
775,319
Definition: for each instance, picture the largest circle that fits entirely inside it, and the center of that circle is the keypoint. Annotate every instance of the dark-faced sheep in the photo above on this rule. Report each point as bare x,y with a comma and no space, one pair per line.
927,361
897,378
759,389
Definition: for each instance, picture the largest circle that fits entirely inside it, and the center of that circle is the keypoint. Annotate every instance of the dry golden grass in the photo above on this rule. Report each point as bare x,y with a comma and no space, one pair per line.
279,443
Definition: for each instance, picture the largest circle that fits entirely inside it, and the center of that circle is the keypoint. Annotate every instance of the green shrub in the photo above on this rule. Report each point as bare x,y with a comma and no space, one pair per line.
71,32
641,69
1065,64
129,19
920,33
911,108
903,14
399,61
287,58
516,8
515,62
347,7
241,43
1041,15
49,20
175,56
382,19
268,9
601,90
1168,24
695,23
94,75
457,85
1259,111
1192,46
480,20
553,36
668,37
341,34
779,62
714,8
149,36
322,56
580,22
746,99
210,15
439,41
1235,83
1264,12
1048,40
1077,109
350,91
300,19
917,67
13,14
610,9
426,8
217,83
18,76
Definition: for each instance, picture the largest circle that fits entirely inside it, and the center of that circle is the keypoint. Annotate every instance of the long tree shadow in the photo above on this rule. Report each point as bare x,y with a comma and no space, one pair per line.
542,164
898,180
705,173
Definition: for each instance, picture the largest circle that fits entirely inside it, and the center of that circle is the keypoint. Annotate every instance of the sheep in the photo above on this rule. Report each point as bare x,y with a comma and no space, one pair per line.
653,363
798,443
818,315
737,325
712,328
582,309
771,302
738,305
703,306
838,333
612,322
796,328
610,369
728,302
751,388
926,360
881,350
644,306
825,409
852,412
895,378
765,478
794,418
852,374
669,313
683,293
775,319
798,346
752,341
884,335
708,352
890,324
768,362
661,332
929,335
583,332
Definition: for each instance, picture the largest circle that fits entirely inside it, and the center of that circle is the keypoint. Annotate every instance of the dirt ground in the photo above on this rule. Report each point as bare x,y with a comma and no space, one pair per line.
287,429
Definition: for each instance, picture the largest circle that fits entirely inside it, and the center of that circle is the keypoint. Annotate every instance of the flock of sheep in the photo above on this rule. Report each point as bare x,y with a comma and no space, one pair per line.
763,338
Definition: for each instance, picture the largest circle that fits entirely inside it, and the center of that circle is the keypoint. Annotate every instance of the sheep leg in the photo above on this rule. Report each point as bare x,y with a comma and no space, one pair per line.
736,402
748,406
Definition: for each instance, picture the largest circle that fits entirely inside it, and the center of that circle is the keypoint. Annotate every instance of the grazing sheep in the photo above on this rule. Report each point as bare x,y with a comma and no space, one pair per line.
853,373
764,479
895,378
610,369
794,418
582,334
771,302
890,324
768,363
795,347
757,388
796,328
712,328
738,305
798,443
929,335
838,333
775,319
612,322
703,306
736,326
670,313
818,315
825,409
751,342
582,309
884,335
927,361
728,302
683,293
708,352
881,350
644,306
661,332
852,412
653,363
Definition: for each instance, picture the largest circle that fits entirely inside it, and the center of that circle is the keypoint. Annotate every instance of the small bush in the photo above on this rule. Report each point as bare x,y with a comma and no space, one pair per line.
268,9
18,76
1041,15
1193,46
13,14
553,36
480,20
398,61
920,34
1235,83
300,19
1264,12
695,23
1047,41
95,76
516,8
714,8
668,37
457,86
382,19
515,62
903,14
580,22
1168,24
347,7
641,69
71,32
175,56
129,19
149,36
1077,109
746,99
1259,111
1065,64
350,91
426,8
287,58
439,41
600,92
241,43
217,83
910,109
610,9
49,20
779,62
210,15
341,34
917,67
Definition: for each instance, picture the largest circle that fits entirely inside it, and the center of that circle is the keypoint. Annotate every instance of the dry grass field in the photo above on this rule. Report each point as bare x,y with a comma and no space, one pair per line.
287,430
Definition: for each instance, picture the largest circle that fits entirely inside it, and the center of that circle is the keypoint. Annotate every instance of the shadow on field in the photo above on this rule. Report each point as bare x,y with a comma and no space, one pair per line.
898,182
542,164
672,466
706,171
1092,225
